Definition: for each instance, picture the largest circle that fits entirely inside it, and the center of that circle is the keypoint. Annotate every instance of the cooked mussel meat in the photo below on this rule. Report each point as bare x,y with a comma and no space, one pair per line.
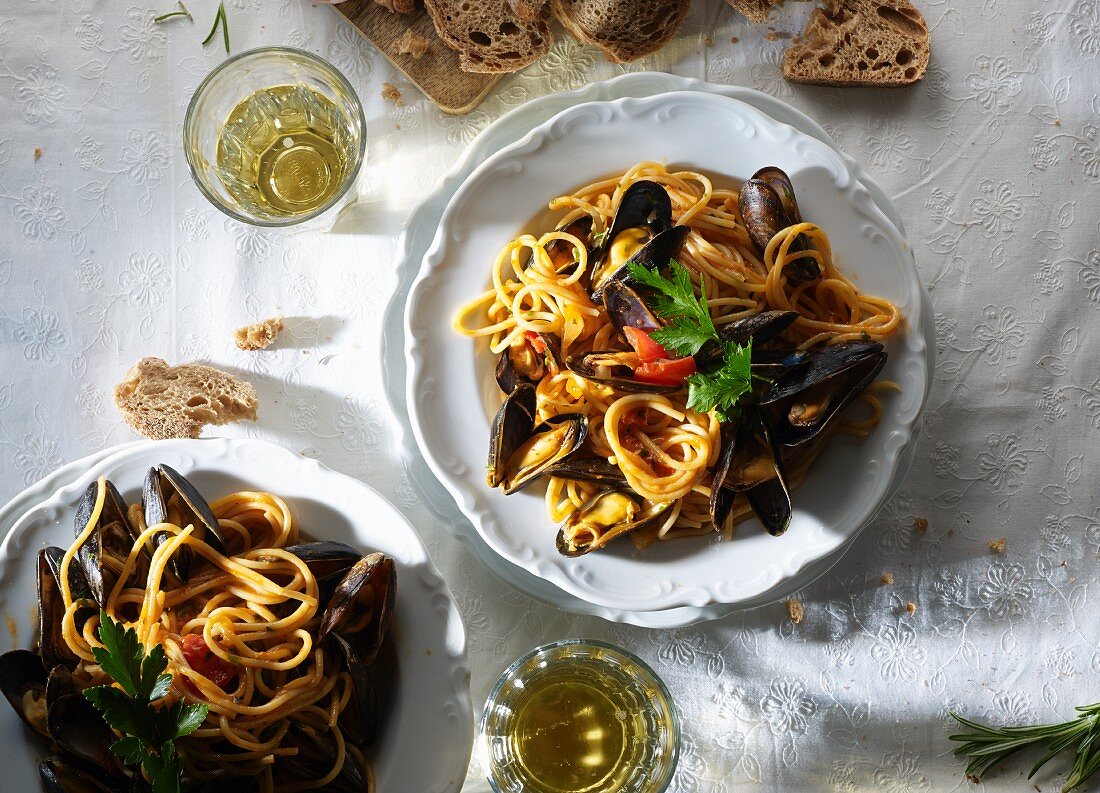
626,309
550,442
804,401
23,684
511,428
360,609
615,368
111,538
751,462
75,724
604,517
527,360
652,253
168,497
764,212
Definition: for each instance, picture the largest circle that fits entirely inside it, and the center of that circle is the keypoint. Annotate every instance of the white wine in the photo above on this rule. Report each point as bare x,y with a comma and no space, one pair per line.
284,151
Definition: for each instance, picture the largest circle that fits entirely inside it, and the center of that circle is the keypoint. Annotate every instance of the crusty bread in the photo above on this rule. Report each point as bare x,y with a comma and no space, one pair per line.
488,35
161,401
860,42
624,29
260,335
527,10
400,6
755,10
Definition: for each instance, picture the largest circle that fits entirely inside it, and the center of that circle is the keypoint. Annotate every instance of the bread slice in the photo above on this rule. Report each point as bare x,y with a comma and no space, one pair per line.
860,42
161,401
624,29
488,35
755,10
527,10
261,335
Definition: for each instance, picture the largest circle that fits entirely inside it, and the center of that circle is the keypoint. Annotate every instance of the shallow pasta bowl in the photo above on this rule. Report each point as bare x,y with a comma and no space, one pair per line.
430,702
452,398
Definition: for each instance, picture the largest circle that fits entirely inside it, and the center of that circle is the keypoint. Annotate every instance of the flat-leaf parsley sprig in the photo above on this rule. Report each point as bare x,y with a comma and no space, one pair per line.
149,733
690,326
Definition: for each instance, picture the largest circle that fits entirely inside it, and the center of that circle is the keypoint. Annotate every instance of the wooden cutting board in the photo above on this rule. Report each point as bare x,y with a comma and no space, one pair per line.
436,72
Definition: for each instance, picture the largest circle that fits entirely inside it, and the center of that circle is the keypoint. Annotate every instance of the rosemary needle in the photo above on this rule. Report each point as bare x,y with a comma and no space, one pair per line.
220,17
987,746
183,12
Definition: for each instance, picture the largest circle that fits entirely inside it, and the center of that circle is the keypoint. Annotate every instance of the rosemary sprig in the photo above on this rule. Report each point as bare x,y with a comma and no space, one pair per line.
987,746
219,18
183,12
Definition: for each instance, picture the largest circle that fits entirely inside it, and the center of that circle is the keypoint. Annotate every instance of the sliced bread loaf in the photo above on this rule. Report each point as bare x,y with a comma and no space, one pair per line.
755,10
488,35
624,29
161,401
860,42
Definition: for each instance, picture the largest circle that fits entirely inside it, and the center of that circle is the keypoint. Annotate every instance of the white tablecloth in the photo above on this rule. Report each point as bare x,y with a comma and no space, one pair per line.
109,253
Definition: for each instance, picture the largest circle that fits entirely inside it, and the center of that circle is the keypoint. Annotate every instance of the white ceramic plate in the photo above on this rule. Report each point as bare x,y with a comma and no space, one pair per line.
451,401
432,702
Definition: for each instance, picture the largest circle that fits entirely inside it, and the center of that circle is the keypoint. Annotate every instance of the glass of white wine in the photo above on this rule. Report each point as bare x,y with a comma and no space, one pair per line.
275,137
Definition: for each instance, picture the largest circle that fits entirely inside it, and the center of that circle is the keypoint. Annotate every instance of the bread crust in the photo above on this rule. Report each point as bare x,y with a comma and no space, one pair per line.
487,34
624,29
754,10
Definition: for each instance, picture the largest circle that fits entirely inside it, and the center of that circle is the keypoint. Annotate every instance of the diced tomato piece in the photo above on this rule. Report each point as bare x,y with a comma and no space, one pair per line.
643,344
200,658
665,372
536,341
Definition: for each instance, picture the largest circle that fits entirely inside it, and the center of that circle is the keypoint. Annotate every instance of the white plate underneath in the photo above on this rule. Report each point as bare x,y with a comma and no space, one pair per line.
432,700
446,392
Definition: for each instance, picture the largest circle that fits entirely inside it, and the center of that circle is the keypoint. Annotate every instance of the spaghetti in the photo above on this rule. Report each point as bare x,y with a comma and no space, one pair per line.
241,635
543,290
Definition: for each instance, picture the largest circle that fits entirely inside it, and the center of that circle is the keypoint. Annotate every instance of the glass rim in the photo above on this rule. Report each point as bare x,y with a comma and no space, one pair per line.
509,674
193,167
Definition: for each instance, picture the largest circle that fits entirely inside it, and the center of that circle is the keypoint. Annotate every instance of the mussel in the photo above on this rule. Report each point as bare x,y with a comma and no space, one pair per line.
328,561
168,497
804,401
626,309
641,231
112,536
563,254
589,469
23,683
63,775
758,328
550,442
360,719
767,205
312,755
51,607
360,609
75,724
614,368
751,462
511,428
604,517
527,360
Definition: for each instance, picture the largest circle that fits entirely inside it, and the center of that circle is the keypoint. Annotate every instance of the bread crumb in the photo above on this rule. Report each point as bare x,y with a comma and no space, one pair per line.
259,335
911,607
391,92
37,153
708,40
920,524
887,579
735,39
776,35
998,546
795,610
413,44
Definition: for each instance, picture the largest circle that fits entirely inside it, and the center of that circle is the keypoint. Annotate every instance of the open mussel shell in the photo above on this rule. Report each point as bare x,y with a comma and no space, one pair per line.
328,561
166,490
603,518
51,605
803,402
23,684
112,537
589,469
314,759
511,428
75,724
644,204
653,255
778,180
550,442
752,462
522,363
65,775
610,367
758,328
360,609
626,309
359,720
562,253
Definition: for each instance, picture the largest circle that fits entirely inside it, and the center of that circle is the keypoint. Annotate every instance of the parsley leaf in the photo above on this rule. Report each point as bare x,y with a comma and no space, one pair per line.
722,388
689,323
148,732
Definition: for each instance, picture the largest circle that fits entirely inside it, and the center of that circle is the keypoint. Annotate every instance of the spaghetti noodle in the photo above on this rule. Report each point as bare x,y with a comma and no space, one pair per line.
543,290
